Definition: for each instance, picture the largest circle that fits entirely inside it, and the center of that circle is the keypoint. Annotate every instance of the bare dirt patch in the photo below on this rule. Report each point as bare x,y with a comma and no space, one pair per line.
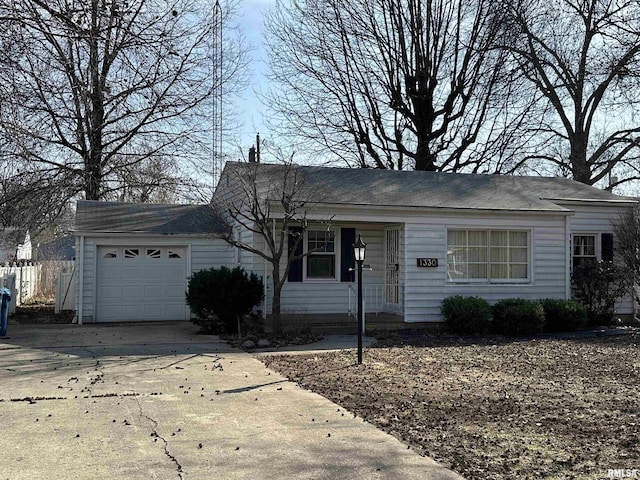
494,409
39,313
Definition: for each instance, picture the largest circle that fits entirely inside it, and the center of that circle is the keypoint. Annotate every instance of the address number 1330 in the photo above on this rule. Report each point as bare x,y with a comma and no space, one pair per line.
427,262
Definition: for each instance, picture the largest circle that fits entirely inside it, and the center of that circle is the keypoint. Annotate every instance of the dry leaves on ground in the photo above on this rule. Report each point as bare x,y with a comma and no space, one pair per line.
494,409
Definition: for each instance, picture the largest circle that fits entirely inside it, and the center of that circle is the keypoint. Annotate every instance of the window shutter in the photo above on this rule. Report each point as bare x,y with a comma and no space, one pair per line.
607,247
347,261
295,270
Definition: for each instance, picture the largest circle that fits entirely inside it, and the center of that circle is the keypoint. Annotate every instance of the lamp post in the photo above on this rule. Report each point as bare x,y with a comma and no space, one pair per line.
359,249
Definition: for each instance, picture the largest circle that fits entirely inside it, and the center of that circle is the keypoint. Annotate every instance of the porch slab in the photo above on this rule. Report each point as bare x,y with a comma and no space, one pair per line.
339,323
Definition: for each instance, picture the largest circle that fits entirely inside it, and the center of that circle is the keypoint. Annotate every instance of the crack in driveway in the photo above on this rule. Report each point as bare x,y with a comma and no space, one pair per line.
154,433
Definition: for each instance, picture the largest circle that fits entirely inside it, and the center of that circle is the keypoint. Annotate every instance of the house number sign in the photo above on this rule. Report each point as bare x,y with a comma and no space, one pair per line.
427,262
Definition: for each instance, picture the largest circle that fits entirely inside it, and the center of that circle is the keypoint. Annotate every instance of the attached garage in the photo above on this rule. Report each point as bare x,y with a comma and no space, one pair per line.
134,260
141,283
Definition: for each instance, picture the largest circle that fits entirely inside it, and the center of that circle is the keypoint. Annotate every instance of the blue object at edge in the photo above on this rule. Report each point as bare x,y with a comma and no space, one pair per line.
4,310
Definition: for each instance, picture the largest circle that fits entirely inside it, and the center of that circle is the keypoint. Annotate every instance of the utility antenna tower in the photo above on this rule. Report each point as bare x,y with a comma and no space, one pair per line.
217,162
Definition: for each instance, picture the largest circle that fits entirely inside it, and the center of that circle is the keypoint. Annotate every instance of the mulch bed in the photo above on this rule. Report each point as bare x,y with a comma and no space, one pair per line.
39,313
493,408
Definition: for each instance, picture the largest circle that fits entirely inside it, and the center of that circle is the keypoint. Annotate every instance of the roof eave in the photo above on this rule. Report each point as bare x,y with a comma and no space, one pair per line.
138,233
592,201
550,211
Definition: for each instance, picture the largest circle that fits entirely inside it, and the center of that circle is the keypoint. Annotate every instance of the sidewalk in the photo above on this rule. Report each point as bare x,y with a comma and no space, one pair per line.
329,343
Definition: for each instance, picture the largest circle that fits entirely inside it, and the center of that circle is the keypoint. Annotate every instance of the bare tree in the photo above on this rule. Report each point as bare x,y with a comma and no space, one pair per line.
34,200
583,59
271,204
153,180
94,87
627,244
386,83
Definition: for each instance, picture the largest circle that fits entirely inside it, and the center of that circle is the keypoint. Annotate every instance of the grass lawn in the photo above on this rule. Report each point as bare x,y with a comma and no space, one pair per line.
493,408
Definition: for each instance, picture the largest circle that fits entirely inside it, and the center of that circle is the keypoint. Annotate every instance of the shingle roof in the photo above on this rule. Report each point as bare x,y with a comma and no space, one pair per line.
371,187
116,217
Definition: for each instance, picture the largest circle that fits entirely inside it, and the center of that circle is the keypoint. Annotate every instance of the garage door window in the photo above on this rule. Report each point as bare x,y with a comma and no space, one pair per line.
111,254
153,253
131,252
173,254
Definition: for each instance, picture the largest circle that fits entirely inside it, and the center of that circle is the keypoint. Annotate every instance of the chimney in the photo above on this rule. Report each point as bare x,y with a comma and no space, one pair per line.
252,154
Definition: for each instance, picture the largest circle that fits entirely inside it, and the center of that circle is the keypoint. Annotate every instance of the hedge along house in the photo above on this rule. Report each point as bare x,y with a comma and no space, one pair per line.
133,260
429,235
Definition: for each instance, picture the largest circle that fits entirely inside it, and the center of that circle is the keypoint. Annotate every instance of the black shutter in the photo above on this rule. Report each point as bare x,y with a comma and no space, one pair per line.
347,239
607,247
295,270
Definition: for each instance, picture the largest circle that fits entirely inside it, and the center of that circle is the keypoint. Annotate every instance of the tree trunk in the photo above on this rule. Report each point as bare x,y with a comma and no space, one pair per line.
93,163
578,158
276,320
425,160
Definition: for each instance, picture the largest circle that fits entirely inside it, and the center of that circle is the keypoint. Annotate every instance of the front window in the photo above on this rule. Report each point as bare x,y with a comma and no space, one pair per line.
321,261
487,255
584,249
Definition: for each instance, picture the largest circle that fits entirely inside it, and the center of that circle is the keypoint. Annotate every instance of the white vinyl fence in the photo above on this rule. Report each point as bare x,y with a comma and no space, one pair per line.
42,279
65,291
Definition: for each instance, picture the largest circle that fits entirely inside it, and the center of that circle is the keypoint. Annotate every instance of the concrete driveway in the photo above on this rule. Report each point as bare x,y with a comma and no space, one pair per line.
160,401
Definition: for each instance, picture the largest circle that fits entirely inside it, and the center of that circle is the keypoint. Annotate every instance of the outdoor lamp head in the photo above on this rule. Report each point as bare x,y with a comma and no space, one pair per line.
359,249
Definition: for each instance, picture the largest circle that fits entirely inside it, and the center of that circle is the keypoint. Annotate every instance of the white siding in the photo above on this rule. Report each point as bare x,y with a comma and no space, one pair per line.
592,218
209,253
425,288
320,297
205,252
597,220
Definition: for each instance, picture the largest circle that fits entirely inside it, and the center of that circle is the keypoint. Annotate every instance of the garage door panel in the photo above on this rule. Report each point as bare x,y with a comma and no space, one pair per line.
131,273
109,293
110,272
176,293
156,273
146,286
154,311
174,310
155,292
132,292
176,271
111,312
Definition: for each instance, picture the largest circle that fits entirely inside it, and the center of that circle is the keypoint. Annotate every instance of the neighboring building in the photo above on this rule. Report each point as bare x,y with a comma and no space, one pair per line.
15,244
429,235
63,248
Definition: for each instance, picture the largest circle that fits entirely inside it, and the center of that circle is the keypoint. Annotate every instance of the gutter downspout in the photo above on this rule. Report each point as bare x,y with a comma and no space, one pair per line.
80,279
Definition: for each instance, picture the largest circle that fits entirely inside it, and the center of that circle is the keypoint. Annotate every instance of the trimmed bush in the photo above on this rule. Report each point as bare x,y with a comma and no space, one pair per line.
221,297
466,315
563,315
517,316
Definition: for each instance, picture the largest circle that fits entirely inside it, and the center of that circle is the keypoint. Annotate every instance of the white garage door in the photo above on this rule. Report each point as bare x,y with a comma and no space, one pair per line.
141,283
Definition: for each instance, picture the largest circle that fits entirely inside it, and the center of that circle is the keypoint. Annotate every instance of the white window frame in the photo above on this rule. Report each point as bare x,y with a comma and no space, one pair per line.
335,253
488,279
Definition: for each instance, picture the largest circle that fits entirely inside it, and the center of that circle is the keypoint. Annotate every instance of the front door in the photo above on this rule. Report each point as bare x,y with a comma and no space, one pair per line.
392,269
